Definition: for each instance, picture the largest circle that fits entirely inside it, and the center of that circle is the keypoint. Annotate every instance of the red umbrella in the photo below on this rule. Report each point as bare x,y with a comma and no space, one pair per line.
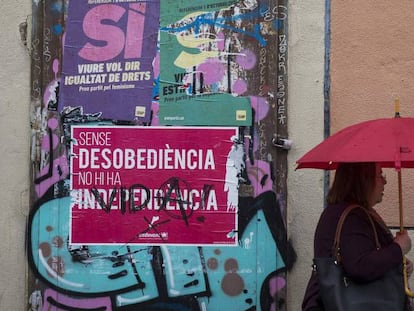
389,142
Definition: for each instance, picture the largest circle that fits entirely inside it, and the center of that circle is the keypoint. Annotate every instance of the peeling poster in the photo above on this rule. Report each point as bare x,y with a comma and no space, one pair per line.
201,81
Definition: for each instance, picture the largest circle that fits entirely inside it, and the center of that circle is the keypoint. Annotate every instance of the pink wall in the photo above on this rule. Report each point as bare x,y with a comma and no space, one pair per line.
372,61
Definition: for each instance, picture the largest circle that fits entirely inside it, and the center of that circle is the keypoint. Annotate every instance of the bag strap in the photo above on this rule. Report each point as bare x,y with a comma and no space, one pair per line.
341,221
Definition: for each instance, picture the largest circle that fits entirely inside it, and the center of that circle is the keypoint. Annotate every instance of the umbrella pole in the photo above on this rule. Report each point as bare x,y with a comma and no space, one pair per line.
407,289
400,202
408,292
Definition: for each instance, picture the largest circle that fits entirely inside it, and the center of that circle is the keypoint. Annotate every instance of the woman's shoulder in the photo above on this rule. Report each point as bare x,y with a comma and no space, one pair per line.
334,211
329,218
325,229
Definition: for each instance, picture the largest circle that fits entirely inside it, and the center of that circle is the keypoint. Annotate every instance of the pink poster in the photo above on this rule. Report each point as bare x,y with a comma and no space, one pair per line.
154,185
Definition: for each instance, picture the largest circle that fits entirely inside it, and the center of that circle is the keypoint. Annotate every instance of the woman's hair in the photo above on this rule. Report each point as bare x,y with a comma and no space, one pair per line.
353,183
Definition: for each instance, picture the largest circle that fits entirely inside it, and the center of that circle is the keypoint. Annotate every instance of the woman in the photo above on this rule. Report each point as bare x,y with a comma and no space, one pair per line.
362,184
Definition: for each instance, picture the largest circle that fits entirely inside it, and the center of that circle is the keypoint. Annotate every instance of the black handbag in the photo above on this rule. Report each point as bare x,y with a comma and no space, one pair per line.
339,293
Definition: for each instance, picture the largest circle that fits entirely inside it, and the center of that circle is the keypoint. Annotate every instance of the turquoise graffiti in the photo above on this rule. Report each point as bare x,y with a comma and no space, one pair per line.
213,277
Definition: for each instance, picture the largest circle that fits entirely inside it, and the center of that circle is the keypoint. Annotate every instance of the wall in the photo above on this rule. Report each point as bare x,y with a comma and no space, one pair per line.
367,50
371,65
14,161
219,60
306,102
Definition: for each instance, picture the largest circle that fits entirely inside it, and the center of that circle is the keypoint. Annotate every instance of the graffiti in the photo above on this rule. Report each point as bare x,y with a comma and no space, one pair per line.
47,54
173,194
279,12
59,301
36,301
240,49
119,271
281,90
54,169
200,21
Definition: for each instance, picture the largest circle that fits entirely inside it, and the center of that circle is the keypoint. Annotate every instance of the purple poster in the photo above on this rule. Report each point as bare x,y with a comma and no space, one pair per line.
109,49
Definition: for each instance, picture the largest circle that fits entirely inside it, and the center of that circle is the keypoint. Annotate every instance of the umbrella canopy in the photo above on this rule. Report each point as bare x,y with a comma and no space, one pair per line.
389,142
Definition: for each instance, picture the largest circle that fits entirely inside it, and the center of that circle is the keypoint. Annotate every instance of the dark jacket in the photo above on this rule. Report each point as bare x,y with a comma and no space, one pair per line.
361,260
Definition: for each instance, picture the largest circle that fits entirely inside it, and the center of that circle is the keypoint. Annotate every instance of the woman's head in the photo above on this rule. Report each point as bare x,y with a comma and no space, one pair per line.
360,183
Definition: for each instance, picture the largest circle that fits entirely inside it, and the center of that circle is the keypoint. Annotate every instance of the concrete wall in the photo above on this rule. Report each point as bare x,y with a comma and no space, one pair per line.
15,130
306,128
